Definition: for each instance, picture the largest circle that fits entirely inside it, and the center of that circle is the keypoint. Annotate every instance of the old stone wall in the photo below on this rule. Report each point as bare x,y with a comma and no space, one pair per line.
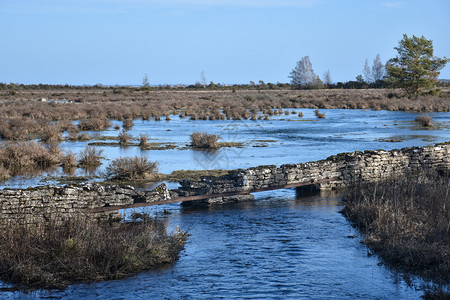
348,168
55,203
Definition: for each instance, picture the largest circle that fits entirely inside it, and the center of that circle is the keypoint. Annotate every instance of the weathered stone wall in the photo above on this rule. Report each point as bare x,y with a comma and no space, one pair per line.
348,168
43,204
54,203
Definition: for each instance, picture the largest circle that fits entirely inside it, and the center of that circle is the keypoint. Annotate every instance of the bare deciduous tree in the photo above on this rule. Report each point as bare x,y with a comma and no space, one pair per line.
327,78
377,69
303,73
366,72
203,79
145,82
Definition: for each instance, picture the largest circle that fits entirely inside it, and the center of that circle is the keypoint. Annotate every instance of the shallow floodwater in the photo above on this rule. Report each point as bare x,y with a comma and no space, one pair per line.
276,247
279,246
282,139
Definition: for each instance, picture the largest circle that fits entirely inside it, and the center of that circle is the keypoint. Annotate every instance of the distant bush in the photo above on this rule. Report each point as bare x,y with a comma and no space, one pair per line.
82,136
132,168
203,140
90,157
319,114
143,141
23,156
425,120
51,133
4,174
124,138
127,123
69,160
94,124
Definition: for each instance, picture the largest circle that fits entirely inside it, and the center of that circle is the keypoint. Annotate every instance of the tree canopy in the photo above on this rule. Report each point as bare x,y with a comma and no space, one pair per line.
415,67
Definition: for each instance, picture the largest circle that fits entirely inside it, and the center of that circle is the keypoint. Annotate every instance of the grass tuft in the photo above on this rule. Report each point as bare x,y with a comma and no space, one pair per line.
132,168
203,140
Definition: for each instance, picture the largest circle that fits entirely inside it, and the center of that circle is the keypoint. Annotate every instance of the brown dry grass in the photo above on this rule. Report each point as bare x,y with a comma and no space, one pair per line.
25,118
27,157
82,250
24,115
425,120
406,221
90,157
132,168
203,140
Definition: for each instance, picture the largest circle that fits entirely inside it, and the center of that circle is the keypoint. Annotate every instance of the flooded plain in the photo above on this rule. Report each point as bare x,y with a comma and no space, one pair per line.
282,139
280,246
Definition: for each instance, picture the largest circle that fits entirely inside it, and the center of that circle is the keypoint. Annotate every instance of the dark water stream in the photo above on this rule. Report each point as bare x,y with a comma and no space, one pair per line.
277,247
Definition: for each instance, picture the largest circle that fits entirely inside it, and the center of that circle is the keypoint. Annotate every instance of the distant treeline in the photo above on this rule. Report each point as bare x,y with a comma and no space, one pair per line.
379,84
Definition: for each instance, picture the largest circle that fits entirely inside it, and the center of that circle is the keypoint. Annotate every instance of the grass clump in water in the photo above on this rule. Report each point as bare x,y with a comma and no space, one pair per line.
83,250
90,157
18,158
132,168
203,140
425,120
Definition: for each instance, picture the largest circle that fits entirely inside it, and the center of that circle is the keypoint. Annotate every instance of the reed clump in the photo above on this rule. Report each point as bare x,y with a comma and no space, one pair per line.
124,138
90,157
83,250
203,140
18,158
425,120
406,222
143,141
319,114
94,124
132,168
127,123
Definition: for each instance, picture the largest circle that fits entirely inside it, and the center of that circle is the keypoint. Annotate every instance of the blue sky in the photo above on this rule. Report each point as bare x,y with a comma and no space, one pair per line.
232,41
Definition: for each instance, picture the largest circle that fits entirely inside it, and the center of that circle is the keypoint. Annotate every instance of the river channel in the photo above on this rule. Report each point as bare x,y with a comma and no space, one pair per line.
279,246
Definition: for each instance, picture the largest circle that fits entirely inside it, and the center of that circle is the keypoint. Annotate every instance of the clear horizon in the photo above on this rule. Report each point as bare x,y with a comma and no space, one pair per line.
117,42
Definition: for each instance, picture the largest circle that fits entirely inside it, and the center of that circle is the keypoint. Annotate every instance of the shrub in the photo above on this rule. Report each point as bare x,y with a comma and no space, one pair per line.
94,124
203,140
4,174
127,123
425,120
69,160
83,136
124,137
83,250
51,133
28,156
319,114
132,168
90,157
143,141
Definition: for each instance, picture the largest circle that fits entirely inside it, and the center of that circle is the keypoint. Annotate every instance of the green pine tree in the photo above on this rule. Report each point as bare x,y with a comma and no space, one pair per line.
415,67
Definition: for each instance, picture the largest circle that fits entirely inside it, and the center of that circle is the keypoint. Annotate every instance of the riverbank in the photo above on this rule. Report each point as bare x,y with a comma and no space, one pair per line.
406,222
52,256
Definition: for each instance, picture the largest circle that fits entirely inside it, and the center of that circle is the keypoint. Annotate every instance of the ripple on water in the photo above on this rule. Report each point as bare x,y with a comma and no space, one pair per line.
276,248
